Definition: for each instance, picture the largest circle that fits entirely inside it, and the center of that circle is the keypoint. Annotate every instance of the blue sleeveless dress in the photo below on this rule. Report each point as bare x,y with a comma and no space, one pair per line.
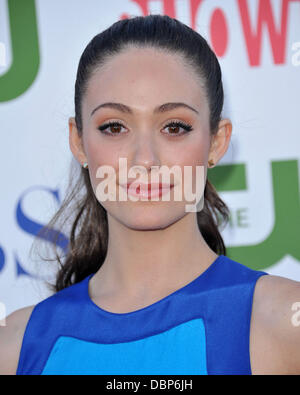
202,328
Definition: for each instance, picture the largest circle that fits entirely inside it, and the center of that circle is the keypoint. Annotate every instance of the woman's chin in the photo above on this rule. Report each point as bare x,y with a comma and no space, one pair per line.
148,219
147,225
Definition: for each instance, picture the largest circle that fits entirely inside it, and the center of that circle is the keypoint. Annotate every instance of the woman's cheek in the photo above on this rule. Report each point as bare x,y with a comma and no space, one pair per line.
195,154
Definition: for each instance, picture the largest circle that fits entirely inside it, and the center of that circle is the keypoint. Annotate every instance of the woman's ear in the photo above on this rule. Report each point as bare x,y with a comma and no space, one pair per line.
220,142
75,142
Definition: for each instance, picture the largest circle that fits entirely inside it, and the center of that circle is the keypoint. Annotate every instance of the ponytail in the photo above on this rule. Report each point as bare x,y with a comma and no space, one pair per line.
214,214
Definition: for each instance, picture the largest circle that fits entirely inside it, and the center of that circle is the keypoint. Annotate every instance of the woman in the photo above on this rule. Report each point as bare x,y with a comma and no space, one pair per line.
146,287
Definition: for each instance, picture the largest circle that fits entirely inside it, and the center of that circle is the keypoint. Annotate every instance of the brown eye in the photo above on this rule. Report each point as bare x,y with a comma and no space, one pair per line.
175,127
115,128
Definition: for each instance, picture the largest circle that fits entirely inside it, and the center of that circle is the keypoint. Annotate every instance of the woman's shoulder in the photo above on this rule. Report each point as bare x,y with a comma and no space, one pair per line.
59,304
11,337
275,326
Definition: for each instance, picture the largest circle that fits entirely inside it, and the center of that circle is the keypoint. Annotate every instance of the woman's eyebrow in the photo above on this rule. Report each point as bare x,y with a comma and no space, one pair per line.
160,109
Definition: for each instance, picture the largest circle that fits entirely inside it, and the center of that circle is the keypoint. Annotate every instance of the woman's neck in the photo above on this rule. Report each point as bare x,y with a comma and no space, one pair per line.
149,263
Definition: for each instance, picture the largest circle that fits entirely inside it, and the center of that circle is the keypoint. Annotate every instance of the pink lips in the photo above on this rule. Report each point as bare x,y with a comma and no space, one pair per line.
147,190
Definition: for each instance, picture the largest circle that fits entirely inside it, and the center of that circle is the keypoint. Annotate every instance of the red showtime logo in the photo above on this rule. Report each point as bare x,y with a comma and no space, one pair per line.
252,33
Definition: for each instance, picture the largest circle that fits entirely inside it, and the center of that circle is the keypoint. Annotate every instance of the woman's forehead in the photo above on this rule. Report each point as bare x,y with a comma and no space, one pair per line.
138,75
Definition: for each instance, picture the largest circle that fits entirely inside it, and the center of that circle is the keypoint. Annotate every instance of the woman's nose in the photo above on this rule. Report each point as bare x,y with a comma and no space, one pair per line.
145,154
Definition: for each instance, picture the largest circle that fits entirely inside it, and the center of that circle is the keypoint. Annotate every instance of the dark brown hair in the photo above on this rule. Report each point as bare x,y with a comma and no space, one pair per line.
88,233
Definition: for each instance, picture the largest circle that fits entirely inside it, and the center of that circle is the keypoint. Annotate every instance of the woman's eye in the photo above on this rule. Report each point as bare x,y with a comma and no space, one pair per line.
114,127
174,128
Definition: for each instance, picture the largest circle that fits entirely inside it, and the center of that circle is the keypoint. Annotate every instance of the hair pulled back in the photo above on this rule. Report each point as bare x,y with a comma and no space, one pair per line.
88,234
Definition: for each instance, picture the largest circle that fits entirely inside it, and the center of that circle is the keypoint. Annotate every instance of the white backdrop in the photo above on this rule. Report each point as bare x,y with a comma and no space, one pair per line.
258,45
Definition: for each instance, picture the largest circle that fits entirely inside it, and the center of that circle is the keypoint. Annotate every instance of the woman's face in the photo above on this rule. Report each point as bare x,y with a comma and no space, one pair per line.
143,79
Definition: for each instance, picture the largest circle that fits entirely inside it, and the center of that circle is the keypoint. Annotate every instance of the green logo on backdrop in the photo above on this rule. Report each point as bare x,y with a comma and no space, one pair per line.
24,48
285,236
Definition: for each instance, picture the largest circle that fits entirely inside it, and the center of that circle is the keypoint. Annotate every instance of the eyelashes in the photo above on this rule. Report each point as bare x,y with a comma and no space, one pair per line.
174,124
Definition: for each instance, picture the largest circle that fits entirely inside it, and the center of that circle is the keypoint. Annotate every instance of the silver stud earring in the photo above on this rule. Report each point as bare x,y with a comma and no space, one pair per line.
85,165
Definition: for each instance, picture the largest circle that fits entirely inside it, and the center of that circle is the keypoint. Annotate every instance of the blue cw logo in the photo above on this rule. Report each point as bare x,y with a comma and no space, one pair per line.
31,227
